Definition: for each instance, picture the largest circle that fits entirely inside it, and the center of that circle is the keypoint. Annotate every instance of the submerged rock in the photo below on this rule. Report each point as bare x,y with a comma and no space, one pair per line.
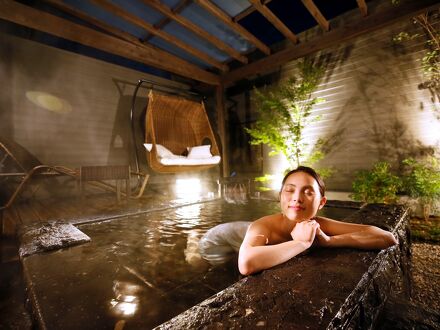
49,236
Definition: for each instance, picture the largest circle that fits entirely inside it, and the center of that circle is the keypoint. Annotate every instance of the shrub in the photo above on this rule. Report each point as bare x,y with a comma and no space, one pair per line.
422,179
378,185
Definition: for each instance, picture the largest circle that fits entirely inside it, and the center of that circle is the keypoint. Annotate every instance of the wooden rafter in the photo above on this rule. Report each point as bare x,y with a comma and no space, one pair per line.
225,18
272,18
18,13
89,19
164,21
156,4
370,23
107,5
316,13
248,11
363,7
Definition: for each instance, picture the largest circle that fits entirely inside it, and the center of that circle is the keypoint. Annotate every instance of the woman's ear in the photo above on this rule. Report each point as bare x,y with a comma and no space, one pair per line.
322,202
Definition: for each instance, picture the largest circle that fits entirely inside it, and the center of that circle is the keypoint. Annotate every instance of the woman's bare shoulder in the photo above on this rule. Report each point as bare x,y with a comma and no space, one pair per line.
267,222
261,231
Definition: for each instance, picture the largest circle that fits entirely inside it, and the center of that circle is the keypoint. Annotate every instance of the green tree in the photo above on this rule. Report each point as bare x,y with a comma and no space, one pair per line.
430,63
284,111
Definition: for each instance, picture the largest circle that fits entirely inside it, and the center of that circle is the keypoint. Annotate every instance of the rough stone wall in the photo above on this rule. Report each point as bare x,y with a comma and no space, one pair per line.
322,289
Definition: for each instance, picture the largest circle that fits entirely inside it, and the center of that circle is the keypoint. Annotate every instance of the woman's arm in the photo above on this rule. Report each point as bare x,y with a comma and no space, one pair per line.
255,255
334,233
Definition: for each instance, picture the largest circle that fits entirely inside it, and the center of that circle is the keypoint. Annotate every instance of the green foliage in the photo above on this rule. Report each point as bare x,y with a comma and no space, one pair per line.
405,36
376,186
422,230
422,179
430,64
264,180
284,111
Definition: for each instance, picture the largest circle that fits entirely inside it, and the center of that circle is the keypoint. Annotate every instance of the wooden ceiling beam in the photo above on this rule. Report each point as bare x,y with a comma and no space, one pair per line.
177,9
272,18
378,20
225,18
181,5
248,11
317,15
116,10
363,7
89,19
18,13
165,10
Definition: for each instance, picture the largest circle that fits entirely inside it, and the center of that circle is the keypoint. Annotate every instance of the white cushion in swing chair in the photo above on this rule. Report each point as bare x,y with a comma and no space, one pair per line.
200,151
199,157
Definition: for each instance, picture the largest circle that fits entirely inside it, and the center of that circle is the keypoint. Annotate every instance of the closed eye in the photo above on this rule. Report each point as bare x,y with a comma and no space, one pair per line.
289,188
309,192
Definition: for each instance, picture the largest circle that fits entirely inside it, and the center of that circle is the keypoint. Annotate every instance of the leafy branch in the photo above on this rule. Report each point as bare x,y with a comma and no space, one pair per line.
431,60
284,111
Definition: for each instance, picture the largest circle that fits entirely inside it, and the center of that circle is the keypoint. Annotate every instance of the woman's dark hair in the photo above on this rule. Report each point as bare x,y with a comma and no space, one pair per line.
310,171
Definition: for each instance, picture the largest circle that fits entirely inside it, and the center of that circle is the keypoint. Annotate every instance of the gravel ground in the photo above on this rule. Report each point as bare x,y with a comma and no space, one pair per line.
426,275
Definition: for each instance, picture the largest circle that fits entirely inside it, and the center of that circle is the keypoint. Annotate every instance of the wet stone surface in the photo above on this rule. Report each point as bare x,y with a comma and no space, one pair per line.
48,236
322,289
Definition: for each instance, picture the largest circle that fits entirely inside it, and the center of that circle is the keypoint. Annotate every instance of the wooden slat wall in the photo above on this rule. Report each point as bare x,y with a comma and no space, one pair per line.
369,84
100,106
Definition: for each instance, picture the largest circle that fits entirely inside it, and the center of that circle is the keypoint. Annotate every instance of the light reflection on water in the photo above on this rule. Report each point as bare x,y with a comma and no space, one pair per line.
150,258
188,216
150,248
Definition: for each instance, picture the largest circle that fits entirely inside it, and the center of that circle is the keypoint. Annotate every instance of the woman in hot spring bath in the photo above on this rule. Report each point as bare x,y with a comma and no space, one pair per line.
276,238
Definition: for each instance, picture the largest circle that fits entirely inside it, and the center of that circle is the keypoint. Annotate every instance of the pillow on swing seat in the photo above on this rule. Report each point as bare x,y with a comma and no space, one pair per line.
160,149
199,155
200,151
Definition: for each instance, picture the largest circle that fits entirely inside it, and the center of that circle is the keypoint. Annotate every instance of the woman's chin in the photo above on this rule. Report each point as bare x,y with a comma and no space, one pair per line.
297,217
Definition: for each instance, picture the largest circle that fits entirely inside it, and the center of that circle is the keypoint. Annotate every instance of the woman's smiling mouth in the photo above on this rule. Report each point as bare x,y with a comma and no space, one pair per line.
297,207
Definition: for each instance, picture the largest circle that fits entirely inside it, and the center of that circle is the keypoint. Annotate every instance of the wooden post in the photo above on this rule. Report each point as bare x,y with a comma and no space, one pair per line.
221,123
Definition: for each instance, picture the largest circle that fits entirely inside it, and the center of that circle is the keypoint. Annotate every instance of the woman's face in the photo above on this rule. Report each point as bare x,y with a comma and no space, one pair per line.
300,198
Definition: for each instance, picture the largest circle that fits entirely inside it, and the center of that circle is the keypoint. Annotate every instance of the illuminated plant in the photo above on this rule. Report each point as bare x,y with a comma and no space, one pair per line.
430,63
422,181
378,185
284,111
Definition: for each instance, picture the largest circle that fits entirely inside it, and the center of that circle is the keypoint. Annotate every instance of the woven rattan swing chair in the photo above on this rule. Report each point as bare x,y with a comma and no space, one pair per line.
178,124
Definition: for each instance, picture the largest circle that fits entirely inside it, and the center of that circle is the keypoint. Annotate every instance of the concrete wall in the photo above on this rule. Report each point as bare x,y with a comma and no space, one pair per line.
65,108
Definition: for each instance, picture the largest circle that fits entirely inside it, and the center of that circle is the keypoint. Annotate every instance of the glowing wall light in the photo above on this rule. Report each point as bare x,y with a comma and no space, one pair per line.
49,102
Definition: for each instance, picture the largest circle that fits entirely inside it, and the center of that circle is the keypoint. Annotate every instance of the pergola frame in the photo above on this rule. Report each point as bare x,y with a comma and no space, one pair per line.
116,41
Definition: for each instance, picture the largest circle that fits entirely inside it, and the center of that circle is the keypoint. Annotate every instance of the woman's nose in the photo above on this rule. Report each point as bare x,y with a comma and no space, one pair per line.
296,197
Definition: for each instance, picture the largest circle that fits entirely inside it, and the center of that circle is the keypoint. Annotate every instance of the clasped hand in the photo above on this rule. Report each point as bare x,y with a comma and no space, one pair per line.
305,231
